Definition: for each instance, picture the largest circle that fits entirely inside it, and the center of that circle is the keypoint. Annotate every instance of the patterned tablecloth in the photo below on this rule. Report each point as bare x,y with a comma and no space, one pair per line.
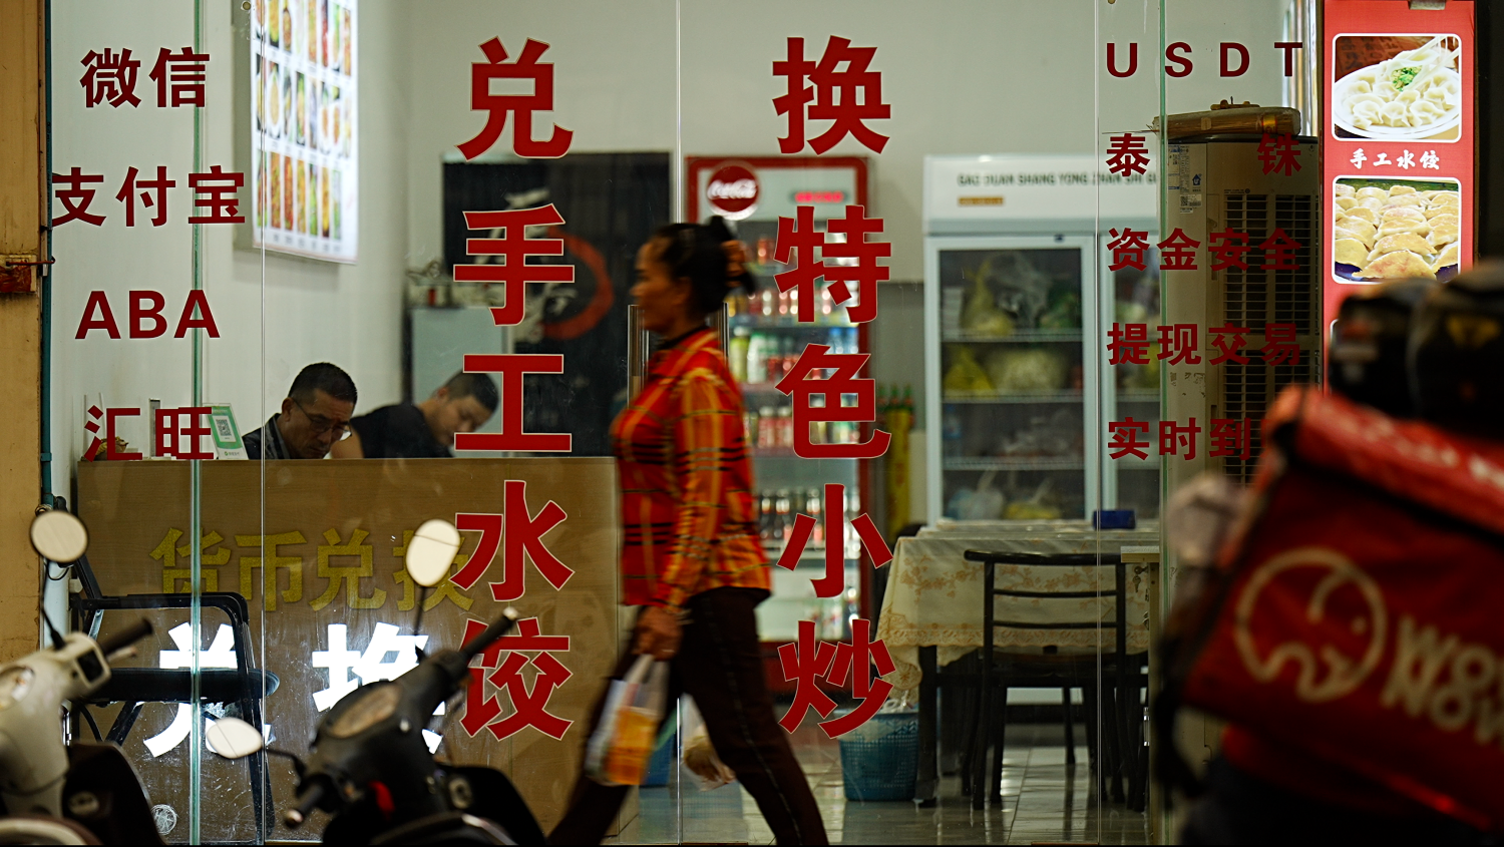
934,595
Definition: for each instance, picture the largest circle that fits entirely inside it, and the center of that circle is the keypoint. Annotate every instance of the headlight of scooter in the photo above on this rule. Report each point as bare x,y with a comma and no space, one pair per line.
15,683
374,706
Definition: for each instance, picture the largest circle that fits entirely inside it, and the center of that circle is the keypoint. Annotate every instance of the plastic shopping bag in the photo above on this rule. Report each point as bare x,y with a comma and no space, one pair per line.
706,769
618,752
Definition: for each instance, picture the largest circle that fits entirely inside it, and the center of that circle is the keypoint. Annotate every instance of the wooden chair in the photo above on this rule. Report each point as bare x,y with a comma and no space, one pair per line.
1111,679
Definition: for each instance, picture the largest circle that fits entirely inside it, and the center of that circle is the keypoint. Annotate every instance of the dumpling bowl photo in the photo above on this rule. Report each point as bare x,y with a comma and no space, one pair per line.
1396,229
1414,94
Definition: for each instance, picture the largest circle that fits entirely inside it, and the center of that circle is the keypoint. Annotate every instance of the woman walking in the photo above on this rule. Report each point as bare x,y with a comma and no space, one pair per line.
691,556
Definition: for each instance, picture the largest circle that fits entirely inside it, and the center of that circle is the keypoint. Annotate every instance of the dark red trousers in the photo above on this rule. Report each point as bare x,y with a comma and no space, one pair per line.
720,665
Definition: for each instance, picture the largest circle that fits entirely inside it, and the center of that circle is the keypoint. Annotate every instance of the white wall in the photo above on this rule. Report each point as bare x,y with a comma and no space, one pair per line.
962,77
349,314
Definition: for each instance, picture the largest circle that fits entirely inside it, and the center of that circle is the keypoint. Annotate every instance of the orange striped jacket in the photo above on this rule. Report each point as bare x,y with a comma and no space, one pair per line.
688,512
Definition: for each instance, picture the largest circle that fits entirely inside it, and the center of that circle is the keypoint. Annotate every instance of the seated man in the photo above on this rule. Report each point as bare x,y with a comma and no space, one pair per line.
315,415
425,430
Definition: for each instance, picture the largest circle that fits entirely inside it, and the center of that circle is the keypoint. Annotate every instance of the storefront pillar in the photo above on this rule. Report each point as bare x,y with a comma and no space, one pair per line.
22,161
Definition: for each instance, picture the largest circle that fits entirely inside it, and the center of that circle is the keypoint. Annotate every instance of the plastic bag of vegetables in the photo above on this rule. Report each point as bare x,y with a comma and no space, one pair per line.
1029,369
965,375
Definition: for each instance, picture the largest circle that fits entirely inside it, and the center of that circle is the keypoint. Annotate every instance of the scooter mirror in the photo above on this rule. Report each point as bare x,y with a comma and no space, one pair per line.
233,738
59,536
431,551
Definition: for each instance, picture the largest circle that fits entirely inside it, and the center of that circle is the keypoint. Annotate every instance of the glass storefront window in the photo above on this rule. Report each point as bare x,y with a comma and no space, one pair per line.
329,269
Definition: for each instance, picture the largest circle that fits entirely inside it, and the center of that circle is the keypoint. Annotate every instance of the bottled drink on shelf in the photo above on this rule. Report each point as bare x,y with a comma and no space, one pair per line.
772,359
951,433
768,300
736,304
784,521
765,517
737,356
786,426
812,507
790,356
853,511
749,426
767,427
824,314
757,358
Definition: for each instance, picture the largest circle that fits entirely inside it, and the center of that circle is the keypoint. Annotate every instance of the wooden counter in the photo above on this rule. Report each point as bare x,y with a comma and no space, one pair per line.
332,568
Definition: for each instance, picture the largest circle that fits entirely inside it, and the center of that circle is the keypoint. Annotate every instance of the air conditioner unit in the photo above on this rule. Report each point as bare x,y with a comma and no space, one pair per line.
1218,184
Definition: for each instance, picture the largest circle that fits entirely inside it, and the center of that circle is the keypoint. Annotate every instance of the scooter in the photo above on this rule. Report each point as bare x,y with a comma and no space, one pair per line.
369,765
53,792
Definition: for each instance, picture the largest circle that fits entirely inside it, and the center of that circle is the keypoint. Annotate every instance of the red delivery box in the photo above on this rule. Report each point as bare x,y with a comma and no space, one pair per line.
1359,614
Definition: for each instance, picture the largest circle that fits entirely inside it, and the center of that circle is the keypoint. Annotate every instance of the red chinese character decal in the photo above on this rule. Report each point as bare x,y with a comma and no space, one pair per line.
834,580
1127,154
1126,439
1228,247
1128,249
529,707
856,261
1178,344
182,74
510,244
111,451
1228,340
1280,346
847,97
76,198
512,367
1128,344
1278,154
108,440
110,78
520,106
807,661
803,386
1279,252
92,427
519,535
1173,436
798,239
153,195
1232,437
215,192
180,439
1178,252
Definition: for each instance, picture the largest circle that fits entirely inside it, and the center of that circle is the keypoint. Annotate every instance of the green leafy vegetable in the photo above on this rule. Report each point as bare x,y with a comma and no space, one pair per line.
1403,77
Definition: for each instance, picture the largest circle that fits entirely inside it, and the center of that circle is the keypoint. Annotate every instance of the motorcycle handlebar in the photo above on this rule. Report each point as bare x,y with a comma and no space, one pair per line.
307,802
126,637
496,630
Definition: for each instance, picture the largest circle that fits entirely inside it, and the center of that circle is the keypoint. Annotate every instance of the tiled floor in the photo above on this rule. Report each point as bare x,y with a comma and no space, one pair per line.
1043,800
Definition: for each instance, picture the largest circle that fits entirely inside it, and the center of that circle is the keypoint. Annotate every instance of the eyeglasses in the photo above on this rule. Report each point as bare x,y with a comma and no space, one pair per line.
322,425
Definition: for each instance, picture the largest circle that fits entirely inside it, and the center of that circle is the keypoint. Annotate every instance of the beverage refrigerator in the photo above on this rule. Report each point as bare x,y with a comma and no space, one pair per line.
762,340
1018,301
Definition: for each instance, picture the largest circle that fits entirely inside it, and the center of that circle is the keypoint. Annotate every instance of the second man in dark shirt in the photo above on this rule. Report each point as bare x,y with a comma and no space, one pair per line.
425,430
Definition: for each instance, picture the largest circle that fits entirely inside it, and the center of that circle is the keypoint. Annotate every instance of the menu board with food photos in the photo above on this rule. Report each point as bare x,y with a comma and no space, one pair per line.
304,144
1398,158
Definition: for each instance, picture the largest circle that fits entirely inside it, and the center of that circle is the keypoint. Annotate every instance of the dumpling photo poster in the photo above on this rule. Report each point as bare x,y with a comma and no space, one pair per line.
1398,163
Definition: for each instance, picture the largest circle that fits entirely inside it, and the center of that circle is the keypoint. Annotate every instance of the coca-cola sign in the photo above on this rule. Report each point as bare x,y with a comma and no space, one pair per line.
733,191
